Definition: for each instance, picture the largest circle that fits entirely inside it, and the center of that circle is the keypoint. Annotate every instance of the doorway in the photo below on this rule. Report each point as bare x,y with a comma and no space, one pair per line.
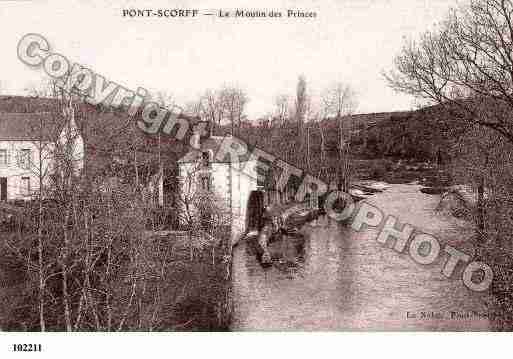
3,189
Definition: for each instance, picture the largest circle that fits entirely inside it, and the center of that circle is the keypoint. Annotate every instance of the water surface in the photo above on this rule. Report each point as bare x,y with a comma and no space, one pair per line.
340,279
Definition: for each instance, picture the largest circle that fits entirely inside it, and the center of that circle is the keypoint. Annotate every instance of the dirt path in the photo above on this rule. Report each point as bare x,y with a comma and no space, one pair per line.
345,280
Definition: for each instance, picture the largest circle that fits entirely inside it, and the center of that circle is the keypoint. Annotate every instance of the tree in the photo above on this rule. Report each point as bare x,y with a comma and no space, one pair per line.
281,103
465,65
55,163
202,213
213,106
301,104
77,232
301,100
233,101
338,101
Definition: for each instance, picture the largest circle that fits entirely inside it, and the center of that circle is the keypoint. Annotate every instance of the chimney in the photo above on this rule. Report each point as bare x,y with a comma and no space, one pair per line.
195,138
200,129
195,141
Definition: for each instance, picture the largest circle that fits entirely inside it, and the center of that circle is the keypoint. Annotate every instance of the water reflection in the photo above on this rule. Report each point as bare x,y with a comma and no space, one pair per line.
337,279
303,289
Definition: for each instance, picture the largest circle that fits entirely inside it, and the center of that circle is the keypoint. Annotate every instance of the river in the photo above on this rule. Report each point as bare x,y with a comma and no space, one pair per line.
340,279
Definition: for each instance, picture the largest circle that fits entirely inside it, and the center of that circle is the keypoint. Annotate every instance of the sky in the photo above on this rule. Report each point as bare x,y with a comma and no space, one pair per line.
351,41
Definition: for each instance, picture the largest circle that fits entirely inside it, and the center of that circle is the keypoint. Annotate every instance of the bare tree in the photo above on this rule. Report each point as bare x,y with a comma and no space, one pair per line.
208,107
233,101
202,213
163,98
301,100
49,149
465,65
282,105
300,108
339,101
212,106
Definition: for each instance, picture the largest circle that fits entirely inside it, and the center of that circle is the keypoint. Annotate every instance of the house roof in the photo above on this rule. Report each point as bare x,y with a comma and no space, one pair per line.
27,126
212,143
107,133
28,104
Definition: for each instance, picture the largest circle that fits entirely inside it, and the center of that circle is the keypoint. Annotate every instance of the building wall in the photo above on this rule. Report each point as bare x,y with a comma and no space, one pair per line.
230,184
189,182
243,182
15,169
72,143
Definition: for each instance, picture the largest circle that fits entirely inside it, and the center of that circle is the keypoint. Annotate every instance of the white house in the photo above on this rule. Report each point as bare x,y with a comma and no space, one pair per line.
230,182
28,143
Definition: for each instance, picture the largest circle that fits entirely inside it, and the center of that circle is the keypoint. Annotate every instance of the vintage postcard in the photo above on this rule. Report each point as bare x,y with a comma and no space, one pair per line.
271,166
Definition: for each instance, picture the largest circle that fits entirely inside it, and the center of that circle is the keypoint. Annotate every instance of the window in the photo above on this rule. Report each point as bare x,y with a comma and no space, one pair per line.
3,188
3,157
206,159
25,186
205,183
25,158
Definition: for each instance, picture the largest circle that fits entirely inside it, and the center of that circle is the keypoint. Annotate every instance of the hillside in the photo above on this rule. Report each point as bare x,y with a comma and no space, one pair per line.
423,134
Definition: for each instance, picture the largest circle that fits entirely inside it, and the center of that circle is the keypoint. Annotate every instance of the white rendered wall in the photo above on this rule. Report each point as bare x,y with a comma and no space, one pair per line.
230,184
14,171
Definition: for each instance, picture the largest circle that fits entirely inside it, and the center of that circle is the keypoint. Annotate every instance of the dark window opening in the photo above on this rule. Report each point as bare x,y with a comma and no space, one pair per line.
25,186
205,159
206,183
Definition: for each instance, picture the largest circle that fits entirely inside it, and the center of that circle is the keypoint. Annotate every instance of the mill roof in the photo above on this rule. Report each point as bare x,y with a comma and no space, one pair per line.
212,143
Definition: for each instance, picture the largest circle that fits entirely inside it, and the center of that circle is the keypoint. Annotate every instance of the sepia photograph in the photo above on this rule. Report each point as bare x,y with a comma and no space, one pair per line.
275,166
